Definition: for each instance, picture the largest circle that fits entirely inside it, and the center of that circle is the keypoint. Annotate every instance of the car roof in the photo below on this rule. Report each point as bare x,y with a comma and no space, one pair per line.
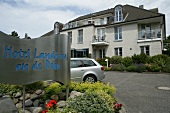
81,59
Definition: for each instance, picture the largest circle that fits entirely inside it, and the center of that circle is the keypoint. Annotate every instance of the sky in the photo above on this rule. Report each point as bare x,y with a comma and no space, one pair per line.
37,17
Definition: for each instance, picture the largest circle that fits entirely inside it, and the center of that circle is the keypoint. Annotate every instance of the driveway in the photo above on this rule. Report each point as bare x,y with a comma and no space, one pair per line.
138,91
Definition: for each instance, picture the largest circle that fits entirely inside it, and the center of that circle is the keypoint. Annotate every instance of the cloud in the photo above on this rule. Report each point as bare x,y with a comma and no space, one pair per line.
37,17
31,21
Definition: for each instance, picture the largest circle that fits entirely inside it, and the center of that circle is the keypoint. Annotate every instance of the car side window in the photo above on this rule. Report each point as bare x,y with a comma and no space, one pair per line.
88,63
76,63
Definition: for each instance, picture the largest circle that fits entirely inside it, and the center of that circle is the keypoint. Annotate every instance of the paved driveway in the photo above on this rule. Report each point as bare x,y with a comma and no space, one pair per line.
138,91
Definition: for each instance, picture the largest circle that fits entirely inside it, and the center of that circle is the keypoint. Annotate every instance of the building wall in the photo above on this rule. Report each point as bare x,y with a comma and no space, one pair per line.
129,42
88,32
155,47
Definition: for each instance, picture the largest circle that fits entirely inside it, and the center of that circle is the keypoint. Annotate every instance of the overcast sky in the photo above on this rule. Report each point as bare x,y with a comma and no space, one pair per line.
36,17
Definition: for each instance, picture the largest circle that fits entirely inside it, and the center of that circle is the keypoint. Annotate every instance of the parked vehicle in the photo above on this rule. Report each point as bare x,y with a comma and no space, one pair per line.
86,69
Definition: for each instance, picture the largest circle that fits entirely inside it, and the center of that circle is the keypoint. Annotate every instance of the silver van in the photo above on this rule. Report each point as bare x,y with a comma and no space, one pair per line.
86,69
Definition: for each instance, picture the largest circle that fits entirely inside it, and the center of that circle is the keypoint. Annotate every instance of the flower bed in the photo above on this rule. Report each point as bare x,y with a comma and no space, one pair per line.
84,97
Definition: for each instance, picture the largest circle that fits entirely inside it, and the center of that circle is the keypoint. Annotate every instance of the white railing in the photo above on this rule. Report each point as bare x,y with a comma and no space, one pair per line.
149,34
98,38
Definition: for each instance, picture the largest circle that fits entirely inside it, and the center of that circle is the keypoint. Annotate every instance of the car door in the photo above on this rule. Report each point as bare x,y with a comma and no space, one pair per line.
77,70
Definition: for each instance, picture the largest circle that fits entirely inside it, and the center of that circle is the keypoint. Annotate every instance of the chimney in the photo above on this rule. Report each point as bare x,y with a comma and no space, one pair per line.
26,35
141,6
56,28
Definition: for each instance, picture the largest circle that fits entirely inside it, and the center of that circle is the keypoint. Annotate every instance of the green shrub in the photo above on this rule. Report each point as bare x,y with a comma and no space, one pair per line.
159,60
127,61
118,67
53,89
140,59
11,89
35,86
153,68
108,69
131,68
108,98
116,60
102,61
95,87
89,103
63,110
166,68
140,68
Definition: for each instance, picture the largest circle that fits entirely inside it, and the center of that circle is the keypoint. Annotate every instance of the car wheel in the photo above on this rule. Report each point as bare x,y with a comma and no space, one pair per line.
90,78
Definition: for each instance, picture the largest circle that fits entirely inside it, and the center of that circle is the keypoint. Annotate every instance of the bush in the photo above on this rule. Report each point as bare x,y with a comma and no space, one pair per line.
166,68
140,59
108,98
116,60
53,89
95,87
131,68
118,67
108,69
159,60
140,68
11,89
127,61
35,86
153,68
102,61
89,103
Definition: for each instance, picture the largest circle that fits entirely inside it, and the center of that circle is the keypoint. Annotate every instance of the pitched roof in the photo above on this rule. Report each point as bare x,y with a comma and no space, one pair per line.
134,13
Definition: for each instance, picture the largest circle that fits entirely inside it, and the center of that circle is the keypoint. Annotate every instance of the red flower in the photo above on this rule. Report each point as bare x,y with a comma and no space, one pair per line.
49,105
53,102
44,111
119,105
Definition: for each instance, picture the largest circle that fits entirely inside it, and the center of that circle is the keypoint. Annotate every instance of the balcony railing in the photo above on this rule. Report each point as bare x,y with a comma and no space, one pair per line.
98,38
149,34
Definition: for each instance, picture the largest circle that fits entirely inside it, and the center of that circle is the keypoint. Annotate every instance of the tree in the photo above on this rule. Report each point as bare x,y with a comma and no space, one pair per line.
14,34
168,38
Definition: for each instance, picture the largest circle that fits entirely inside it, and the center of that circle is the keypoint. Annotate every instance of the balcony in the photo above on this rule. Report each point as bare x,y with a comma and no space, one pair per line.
149,35
99,40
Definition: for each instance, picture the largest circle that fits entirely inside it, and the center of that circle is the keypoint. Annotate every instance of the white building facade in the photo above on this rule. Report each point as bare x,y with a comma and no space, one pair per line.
123,30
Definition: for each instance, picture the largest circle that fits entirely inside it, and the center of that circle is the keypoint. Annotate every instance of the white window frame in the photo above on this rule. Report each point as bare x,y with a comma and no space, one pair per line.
118,34
118,51
118,14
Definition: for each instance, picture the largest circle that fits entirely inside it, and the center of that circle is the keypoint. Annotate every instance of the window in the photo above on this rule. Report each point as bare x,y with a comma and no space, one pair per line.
70,36
80,36
118,51
109,19
88,63
145,49
118,14
76,64
101,34
118,33
146,31
101,21
102,53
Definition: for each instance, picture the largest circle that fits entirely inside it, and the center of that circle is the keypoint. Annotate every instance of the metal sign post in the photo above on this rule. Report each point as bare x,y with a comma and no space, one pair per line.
23,93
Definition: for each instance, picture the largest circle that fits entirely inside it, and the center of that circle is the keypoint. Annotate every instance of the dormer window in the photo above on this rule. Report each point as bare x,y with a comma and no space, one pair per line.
118,14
